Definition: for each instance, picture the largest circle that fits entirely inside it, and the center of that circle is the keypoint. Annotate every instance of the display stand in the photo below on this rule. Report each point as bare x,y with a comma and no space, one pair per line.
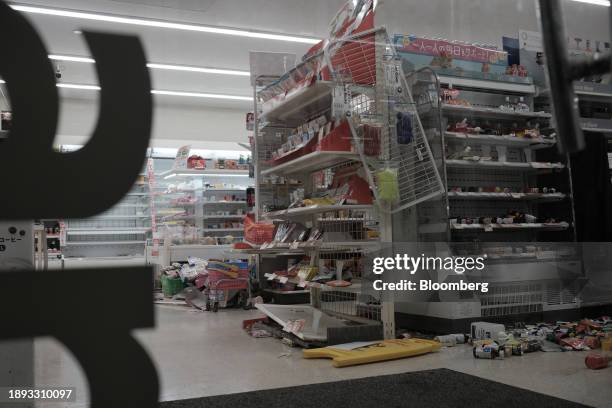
321,150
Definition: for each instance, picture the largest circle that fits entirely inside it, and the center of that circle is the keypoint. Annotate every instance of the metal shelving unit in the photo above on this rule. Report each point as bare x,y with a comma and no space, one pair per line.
199,212
121,231
356,95
489,169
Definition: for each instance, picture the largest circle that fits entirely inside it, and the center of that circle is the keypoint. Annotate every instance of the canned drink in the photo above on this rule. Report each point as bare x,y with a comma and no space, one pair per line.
489,352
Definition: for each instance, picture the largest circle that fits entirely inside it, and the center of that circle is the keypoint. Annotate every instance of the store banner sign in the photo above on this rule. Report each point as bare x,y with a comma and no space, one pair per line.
453,58
467,52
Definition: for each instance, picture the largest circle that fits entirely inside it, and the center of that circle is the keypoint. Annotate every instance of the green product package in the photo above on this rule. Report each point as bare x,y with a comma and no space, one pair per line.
388,188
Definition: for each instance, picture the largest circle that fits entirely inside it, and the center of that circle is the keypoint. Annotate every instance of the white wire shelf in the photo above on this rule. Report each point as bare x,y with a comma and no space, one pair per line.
313,209
506,196
224,202
523,166
303,103
205,172
492,112
505,140
132,205
596,125
226,190
559,226
336,246
90,243
118,217
101,231
488,84
312,162
223,217
223,230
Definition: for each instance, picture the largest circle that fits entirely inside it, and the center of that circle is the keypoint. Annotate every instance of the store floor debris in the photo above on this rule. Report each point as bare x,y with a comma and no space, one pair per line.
186,345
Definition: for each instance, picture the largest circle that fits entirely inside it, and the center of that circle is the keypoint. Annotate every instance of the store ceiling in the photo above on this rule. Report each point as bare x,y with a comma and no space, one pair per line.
169,46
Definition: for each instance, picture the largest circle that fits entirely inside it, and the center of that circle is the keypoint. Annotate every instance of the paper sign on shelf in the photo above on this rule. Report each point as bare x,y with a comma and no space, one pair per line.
283,279
341,99
270,276
182,154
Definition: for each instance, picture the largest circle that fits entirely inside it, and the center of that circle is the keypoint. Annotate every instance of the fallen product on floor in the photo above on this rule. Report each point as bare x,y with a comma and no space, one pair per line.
344,355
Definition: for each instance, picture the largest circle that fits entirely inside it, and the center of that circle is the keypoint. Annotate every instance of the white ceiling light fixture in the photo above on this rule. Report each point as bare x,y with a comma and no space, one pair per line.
78,86
202,95
2,81
71,58
162,24
164,92
199,69
595,2
170,67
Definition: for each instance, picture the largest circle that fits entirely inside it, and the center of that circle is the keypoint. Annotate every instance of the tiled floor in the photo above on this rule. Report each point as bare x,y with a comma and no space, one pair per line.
203,353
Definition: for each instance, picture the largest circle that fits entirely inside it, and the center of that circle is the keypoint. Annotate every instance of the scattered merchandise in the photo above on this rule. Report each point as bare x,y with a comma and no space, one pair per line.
344,355
597,361
490,351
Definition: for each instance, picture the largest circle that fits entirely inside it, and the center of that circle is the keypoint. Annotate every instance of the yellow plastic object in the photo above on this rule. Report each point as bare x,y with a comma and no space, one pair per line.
382,351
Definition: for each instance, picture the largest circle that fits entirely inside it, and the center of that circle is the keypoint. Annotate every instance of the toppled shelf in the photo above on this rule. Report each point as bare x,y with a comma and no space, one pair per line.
313,209
506,196
524,166
303,103
492,112
340,246
474,83
558,226
312,162
505,140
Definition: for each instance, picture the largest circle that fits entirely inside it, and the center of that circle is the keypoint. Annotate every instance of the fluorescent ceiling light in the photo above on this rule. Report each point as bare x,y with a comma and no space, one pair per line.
595,2
199,69
71,58
77,86
202,95
162,24
171,67
2,81
159,92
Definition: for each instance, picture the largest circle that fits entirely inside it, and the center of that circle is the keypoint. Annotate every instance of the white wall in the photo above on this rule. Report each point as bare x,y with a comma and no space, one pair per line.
172,125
